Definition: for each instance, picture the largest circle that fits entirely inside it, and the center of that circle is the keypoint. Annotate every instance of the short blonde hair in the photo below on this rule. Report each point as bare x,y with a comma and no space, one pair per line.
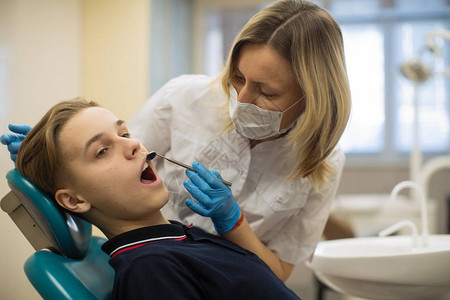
312,41
39,158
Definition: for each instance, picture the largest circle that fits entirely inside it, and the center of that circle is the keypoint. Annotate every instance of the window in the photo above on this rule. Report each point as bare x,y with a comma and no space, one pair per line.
378,41
365,61
170,41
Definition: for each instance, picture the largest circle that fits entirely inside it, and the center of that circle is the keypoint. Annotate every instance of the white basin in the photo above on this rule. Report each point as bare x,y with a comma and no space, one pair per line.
385,267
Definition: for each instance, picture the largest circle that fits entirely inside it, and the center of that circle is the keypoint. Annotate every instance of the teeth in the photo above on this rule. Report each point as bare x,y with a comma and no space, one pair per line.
145,166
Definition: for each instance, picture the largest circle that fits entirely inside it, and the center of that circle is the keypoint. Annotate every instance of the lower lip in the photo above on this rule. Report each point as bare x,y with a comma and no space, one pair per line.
155,183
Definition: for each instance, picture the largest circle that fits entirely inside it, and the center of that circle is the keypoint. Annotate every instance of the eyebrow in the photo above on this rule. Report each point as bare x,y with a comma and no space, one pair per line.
98,136
264,84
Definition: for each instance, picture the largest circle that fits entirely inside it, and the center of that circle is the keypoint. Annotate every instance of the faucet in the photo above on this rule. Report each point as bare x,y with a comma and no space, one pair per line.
431,167
399,225
423,206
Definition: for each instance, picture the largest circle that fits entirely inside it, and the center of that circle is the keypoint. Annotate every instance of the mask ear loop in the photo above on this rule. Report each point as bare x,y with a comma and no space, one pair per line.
292,125
298,101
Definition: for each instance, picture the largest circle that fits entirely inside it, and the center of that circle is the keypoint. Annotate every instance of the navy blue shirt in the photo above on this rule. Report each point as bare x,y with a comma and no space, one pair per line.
173,261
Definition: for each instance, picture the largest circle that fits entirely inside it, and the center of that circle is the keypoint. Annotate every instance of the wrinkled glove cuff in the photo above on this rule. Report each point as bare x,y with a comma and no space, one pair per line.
225,224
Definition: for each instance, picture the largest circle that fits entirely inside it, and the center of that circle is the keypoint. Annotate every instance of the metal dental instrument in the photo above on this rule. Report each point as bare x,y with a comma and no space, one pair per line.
153,154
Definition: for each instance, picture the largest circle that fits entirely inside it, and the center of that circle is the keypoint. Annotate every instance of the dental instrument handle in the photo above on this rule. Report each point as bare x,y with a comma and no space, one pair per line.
176,162
152,155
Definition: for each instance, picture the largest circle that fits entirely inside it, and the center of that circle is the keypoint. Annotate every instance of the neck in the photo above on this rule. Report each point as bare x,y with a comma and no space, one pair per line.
253,143
116,227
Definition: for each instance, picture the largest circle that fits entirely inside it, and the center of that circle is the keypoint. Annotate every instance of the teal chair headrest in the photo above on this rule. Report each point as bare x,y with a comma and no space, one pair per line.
69,234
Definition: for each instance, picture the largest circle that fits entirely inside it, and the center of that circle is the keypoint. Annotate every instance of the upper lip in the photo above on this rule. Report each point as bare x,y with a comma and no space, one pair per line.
149,166
142,165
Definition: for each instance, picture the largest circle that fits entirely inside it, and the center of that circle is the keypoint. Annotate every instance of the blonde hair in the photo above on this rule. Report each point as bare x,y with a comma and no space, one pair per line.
39,158
312,41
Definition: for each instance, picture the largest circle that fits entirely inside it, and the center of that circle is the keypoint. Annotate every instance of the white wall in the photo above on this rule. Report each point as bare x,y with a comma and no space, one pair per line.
40,64
53,50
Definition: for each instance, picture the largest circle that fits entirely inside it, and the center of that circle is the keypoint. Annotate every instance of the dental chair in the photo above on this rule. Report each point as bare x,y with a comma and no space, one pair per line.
69,262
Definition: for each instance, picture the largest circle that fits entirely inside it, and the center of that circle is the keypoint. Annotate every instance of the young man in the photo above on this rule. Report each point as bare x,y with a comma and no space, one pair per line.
83,156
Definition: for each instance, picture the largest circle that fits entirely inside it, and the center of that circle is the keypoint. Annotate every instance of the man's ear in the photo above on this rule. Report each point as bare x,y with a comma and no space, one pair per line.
67,199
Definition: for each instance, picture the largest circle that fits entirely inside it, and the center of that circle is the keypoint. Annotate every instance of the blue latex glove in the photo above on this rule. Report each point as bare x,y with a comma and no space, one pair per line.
13,141
214,198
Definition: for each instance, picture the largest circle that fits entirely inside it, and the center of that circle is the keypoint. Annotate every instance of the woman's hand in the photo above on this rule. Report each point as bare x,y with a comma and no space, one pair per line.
13,141
213,198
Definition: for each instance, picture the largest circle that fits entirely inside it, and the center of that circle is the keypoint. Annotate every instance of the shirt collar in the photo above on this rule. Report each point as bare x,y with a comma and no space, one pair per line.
138,237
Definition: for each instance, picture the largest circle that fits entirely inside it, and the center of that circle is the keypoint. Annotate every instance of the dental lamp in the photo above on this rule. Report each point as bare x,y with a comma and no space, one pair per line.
415,69
419,72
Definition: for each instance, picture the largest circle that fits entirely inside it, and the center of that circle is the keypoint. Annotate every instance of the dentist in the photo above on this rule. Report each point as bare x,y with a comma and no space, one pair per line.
270,124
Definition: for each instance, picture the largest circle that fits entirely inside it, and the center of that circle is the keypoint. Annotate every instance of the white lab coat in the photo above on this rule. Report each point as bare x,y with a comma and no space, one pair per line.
184,120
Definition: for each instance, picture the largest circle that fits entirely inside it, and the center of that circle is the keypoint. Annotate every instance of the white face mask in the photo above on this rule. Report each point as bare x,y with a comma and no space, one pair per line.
254,122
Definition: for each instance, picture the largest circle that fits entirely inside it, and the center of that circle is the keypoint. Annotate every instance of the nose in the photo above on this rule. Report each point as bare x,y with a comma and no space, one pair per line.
245,95
132,148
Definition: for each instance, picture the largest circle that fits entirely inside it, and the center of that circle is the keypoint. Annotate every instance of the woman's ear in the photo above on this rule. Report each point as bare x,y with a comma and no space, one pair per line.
72,202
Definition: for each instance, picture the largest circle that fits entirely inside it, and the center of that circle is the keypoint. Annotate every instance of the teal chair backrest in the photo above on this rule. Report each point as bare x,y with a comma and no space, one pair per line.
68,234
75,267
88,278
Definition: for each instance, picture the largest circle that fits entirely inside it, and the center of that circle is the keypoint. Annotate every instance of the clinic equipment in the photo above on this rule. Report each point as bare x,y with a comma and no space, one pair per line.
69,262
418,71
388,267
153,154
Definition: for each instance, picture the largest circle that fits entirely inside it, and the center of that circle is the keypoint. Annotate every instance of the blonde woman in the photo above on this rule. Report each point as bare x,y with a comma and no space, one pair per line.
270,124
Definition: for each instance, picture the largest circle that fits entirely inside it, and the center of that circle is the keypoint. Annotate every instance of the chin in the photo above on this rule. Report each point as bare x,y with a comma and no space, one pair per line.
166,200
161,196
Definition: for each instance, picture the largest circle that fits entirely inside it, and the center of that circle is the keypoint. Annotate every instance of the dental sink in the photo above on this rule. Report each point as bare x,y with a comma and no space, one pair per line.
388,267
385,267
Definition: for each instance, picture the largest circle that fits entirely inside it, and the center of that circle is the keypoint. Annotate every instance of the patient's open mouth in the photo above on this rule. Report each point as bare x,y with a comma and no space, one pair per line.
147,175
